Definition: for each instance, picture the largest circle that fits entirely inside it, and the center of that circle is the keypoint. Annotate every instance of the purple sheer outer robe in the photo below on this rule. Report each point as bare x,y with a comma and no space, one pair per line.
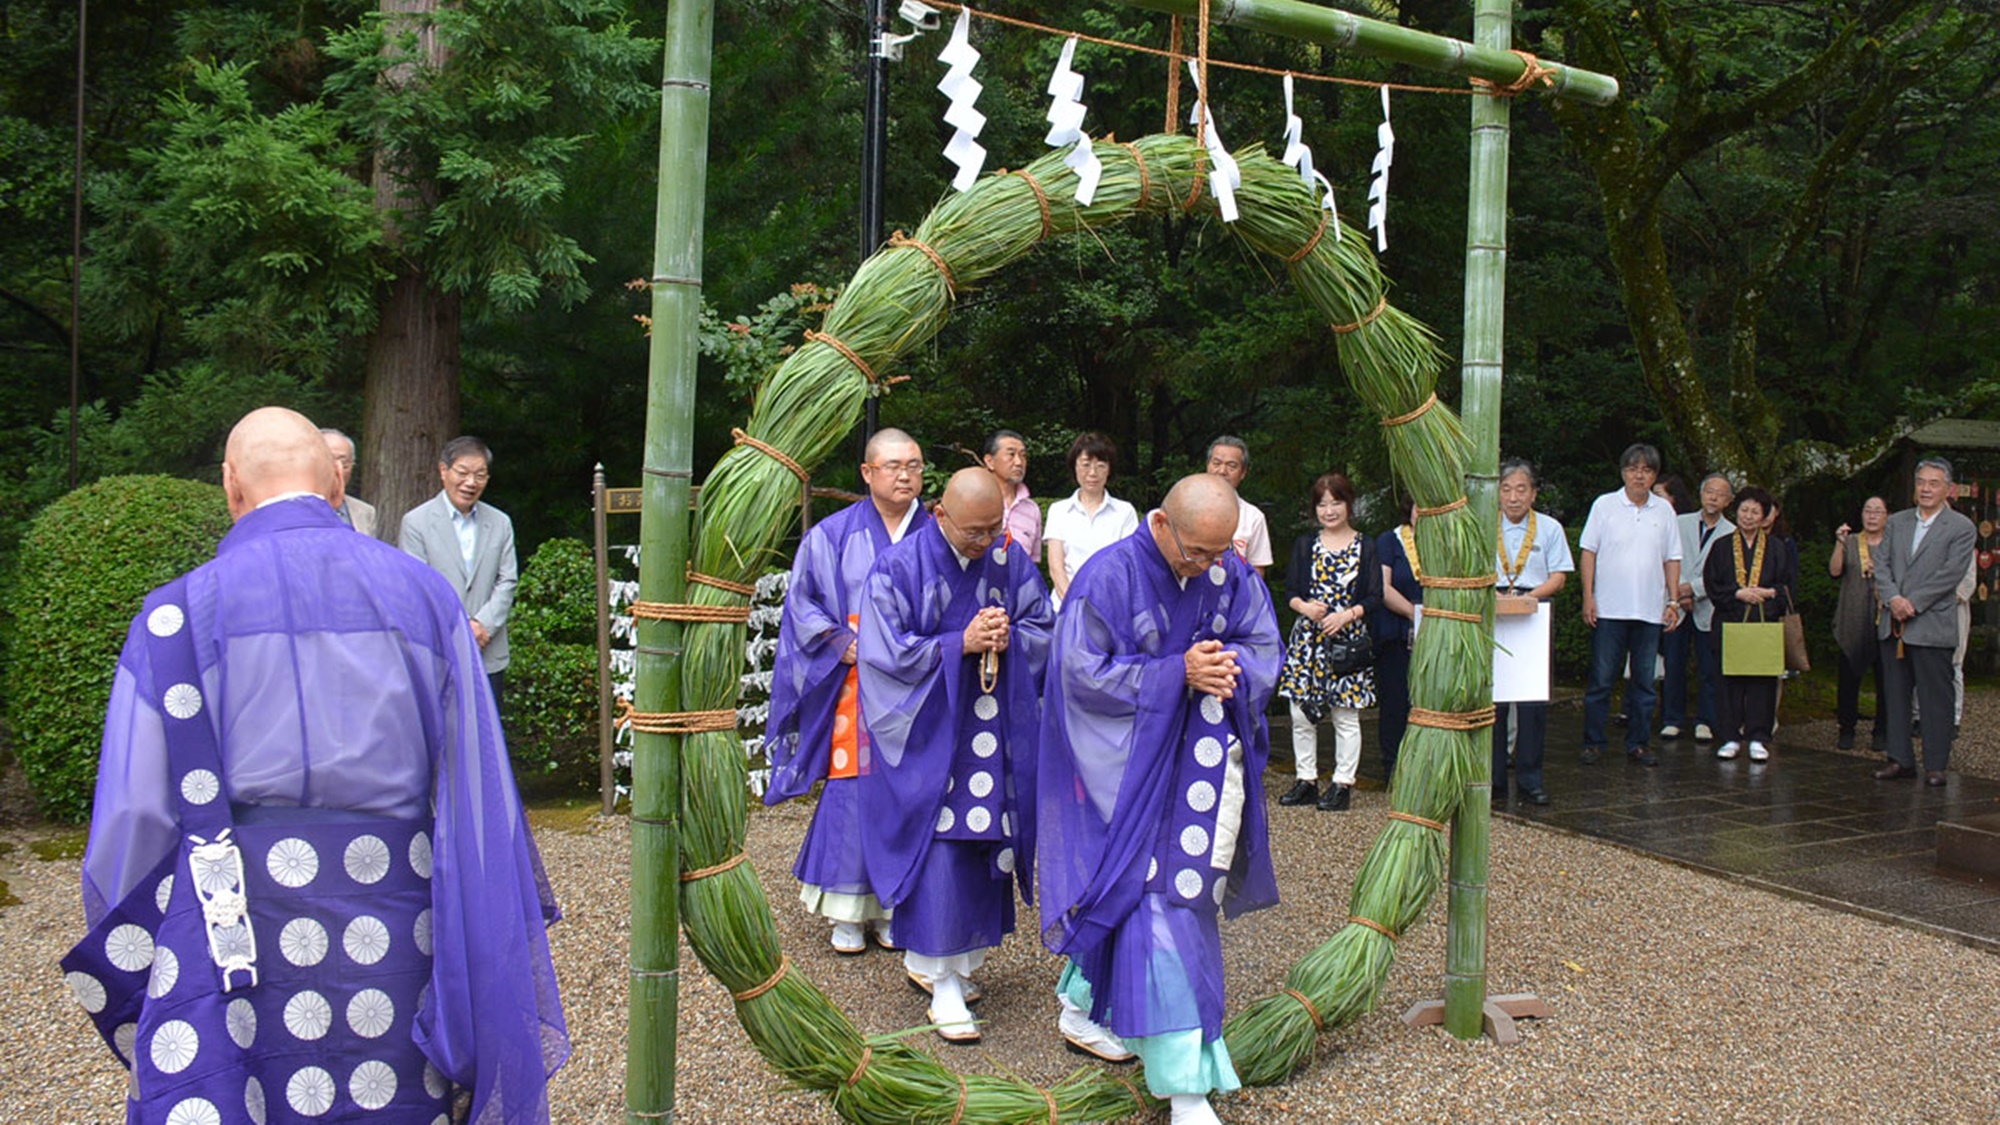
919,690
342,675
1115,726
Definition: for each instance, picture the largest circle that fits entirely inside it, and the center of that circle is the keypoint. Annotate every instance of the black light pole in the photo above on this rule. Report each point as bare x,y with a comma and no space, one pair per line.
874,156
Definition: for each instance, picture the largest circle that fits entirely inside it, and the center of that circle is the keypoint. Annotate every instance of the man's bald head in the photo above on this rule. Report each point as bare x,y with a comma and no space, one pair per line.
974,508
273,451
881,440
1195,523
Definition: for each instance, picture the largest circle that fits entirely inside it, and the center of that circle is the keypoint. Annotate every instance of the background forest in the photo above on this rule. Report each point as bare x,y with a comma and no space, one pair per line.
1772,256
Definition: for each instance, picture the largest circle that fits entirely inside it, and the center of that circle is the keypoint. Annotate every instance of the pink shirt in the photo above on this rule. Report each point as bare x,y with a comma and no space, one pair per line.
1024,522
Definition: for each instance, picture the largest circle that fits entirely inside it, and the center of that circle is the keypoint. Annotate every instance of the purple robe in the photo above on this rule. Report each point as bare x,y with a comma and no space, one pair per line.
807,673
1129,793
341,678
948,770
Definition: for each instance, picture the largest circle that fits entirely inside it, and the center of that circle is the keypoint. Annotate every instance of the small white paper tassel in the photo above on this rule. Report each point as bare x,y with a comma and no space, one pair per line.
963,90
1299,155
1065,117
1226,177
1378,188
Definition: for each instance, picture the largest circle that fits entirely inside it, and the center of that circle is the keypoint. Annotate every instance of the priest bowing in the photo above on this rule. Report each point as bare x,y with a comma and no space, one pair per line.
1151,810
813,732
954,631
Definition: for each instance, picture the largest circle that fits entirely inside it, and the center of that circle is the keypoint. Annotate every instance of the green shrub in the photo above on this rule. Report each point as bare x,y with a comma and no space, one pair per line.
552,677
85,567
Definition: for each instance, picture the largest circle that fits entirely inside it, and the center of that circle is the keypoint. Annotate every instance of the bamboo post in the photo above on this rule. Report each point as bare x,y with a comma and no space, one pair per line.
1481,369
607,785
1344,31
663,538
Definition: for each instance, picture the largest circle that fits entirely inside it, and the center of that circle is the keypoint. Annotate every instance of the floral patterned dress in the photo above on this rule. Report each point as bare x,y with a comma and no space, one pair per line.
1308,678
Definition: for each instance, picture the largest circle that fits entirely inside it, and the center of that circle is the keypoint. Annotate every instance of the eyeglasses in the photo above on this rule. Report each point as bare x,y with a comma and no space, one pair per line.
1192,558
976,535
480,476
899,468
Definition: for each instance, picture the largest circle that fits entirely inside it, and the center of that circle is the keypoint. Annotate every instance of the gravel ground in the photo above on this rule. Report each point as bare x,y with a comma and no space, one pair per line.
1677,997
1975,751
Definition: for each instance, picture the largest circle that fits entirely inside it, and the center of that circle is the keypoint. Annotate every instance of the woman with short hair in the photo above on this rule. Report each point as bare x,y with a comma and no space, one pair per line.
1090,519
1332,582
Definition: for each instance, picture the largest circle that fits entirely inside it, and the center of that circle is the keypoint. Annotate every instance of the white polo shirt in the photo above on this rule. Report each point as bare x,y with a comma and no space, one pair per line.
1633,543
1253,537
1083,534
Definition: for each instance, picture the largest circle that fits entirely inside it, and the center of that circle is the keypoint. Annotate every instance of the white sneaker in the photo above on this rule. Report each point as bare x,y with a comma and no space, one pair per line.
1089,1037
1192,1109
1670,731
1728,750
1702,733
1758,752
849,938
948,1011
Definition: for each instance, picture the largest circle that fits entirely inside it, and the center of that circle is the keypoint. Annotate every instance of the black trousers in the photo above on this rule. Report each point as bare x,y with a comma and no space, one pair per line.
1849,707
1748,708
1392,697
1922,672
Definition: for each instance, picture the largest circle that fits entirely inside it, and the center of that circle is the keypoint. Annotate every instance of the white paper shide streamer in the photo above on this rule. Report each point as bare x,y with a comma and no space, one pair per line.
1226,177
1299,155
1065,119
1378,188
963,89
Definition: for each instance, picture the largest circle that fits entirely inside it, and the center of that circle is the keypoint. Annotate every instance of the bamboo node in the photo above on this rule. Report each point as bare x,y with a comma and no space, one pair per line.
1404,419
1300,254
773,452
852,356
1318,1023
1454,615
727,864
743,589
1373,925
937,259
1041,200
784,966
1446,582
1145,177
867,1054
1413,818
674,722
1381,304
1454,506
1452,720
1532,72
682,611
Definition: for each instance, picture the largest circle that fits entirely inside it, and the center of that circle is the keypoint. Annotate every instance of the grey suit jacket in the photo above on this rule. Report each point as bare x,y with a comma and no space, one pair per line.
1929,578
360,515
488,592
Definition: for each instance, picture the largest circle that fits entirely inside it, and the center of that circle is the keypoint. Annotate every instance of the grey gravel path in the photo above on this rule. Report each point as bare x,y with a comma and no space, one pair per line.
1677,997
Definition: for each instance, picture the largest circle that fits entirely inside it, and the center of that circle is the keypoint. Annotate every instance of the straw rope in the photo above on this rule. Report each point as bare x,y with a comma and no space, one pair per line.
1373,925
1133,1087
867,1054
1318,1023
853,357
1454,506
681,611
1402,419
1300,256
784,966
726,865
1200,178
899,239
1041,199
1445,582
700,579
1453,615
771,451
1532,71
959,1114
1452,720
1173,53
1050,1098
1174,56
1145,177
1413,818
674,722
1381,303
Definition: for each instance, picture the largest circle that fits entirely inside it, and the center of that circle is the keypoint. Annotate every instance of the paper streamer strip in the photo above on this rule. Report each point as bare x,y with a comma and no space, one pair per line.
1065,117
963,89
1226,176
1299,155
1378,188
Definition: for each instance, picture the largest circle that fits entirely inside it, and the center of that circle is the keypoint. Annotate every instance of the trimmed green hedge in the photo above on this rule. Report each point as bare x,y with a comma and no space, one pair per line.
552,676
86,565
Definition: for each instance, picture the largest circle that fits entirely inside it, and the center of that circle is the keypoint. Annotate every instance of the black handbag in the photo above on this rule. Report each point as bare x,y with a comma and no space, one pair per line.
1349,650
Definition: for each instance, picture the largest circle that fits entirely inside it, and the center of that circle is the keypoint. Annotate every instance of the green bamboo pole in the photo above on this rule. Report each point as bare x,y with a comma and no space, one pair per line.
663,536
1481,369
1295,19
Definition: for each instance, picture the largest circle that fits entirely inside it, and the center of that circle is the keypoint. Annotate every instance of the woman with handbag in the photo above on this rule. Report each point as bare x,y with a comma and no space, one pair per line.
1332,582
1853,562
1750,578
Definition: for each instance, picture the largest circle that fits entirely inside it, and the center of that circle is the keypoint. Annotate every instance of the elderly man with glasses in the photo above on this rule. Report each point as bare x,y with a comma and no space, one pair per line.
813,732
954,631
472,545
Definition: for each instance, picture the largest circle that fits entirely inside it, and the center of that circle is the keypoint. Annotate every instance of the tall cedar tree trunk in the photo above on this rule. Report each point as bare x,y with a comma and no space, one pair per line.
411,392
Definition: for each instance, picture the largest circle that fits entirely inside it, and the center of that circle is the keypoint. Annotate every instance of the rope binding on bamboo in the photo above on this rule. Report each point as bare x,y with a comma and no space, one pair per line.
1041,200
682,611
771,451
1373,925
1299,255
958,1114
674,722
1413,818
1532,73
899,239
867,1054
1452,720
1318,1023
1404,419
852,356
784,966
743,589
1454,506
726,865
1453,615
1381,306
1145,176
1051,1099
1447,582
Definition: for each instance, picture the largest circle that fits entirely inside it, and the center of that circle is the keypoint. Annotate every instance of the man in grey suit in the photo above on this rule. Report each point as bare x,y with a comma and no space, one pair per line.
357,514
1926,550
472,545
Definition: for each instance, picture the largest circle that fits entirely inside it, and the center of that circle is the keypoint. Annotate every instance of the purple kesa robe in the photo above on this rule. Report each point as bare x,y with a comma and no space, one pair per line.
948,769
1141,780
342,682
806,678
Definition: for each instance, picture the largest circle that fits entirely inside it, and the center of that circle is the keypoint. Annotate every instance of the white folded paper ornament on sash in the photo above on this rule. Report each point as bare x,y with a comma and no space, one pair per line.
1065,117
1378,188
1226,177
958,84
